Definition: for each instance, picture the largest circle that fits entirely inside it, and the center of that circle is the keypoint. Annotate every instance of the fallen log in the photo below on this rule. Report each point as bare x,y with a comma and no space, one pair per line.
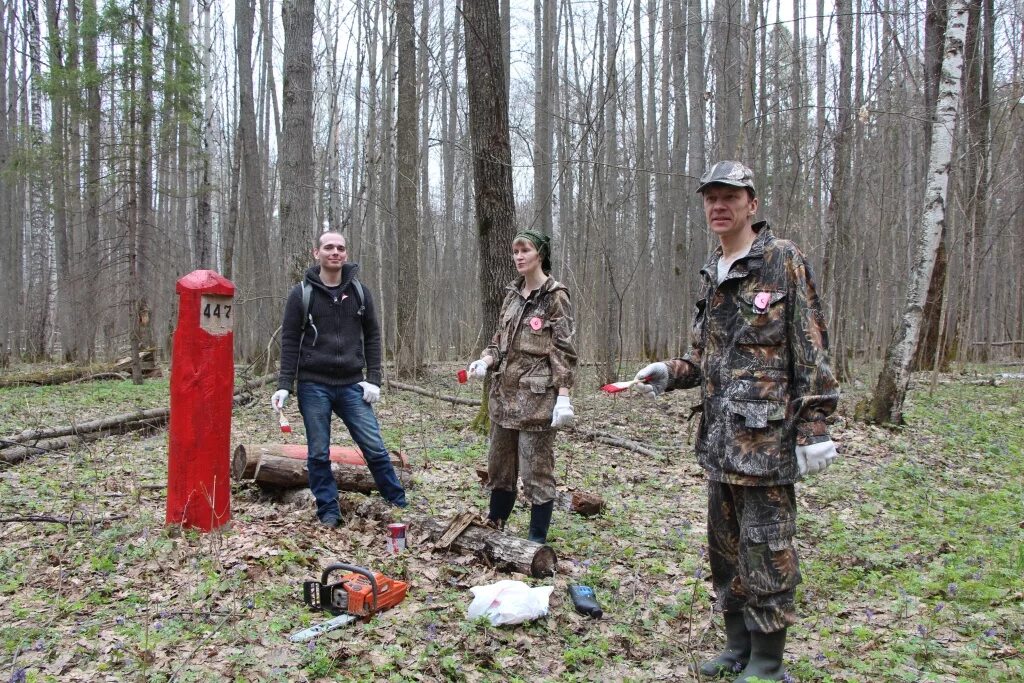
392,384
77,373
61,437
16,453
498,548
276,466
129,421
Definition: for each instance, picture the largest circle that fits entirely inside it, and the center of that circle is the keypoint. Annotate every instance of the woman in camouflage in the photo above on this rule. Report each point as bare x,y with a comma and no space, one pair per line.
533,361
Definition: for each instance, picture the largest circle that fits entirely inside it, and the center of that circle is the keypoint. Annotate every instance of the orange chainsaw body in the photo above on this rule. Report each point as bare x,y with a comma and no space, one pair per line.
360,593
390,592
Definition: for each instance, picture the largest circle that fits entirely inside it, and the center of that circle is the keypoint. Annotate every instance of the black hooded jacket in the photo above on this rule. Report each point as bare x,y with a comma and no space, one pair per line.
338,342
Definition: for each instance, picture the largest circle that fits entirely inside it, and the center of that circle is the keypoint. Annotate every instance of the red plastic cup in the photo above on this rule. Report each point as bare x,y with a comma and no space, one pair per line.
463,376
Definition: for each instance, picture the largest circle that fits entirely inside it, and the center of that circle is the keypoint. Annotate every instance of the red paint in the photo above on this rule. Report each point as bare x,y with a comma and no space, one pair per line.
462,376
346,455
202,383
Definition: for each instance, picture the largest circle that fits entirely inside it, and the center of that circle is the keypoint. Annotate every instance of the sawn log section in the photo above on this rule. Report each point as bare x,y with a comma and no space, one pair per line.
497,548
284,466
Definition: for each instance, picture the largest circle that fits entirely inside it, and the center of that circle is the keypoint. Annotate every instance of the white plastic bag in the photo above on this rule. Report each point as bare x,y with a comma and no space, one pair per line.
509,602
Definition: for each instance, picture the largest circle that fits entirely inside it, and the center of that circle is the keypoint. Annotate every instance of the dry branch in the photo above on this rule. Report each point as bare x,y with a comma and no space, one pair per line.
61,520
619,442
392,384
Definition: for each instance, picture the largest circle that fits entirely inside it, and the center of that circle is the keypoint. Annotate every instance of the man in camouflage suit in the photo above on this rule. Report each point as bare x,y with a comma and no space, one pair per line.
759,353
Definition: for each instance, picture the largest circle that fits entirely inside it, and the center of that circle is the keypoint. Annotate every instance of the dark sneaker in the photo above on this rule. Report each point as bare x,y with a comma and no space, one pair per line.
330,521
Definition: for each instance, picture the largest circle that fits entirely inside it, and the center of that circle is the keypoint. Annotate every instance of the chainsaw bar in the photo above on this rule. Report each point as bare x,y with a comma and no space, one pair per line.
329,625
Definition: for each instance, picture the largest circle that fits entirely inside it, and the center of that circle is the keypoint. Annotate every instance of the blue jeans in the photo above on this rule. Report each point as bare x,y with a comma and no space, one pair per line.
316,403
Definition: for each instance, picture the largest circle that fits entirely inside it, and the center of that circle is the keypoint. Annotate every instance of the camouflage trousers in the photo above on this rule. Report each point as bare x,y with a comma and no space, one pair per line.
530,455
754,565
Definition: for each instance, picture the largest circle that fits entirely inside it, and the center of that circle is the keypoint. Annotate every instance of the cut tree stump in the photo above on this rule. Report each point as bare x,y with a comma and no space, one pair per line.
498,548
284,466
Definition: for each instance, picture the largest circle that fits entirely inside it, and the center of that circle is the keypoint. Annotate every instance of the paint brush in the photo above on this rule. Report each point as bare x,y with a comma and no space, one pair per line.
286,426
616,387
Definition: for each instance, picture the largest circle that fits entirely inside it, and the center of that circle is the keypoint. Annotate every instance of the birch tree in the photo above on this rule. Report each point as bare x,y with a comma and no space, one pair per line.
891,389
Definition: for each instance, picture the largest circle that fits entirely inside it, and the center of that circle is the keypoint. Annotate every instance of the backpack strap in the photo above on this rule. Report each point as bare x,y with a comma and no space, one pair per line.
307,295
359,294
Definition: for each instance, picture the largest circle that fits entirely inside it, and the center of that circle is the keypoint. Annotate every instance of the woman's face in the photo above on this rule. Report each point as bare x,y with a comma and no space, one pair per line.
525,256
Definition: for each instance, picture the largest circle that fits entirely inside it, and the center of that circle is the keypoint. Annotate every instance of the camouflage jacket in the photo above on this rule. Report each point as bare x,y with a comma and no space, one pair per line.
759,352
533,356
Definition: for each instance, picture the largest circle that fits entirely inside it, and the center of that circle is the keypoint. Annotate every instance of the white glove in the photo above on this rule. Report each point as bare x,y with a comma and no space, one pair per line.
478,368
816,457
278,399
371,392
652,380
563,414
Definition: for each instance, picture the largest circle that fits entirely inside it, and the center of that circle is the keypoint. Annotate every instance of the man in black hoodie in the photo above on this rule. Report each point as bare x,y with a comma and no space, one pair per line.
325,348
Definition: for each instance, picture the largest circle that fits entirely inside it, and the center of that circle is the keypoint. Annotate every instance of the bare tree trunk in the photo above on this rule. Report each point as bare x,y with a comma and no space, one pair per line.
492,158
643,172
935,25
298,220
59,173
93,122
891,389
10,263
38,308
840,198
407,227
544,87
202,241
728,69
251,214
977,112
141,312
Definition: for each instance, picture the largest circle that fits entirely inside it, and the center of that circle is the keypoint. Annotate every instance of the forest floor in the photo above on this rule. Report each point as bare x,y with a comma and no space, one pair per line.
911,549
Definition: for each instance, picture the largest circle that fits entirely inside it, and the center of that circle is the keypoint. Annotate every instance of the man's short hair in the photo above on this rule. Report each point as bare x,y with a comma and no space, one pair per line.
317,243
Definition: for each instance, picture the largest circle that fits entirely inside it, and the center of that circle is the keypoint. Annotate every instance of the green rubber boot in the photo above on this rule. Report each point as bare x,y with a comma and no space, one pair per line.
737,649
765,663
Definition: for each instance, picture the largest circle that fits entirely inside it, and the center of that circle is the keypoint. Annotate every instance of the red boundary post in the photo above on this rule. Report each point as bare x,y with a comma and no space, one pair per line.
202,383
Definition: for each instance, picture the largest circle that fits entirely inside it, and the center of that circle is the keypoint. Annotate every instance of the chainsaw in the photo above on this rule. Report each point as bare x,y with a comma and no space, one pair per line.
357,595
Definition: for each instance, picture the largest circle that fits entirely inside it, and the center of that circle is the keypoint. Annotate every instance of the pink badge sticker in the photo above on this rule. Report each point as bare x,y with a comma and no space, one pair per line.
762,300
536,323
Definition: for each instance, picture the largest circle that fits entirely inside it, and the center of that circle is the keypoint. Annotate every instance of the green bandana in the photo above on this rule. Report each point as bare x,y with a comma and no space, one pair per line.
540,242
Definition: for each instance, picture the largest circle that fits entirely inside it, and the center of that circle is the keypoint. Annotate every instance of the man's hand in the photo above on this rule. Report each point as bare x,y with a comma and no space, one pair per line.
478,368
371,392
278,399
562,415
816,457
652,380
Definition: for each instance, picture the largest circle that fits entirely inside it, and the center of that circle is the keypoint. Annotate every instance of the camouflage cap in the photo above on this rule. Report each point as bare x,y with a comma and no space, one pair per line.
728,173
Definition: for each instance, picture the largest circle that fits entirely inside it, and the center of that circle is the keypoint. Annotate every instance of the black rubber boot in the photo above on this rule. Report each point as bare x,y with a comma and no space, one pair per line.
540,520
502,503
765,663
737,649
